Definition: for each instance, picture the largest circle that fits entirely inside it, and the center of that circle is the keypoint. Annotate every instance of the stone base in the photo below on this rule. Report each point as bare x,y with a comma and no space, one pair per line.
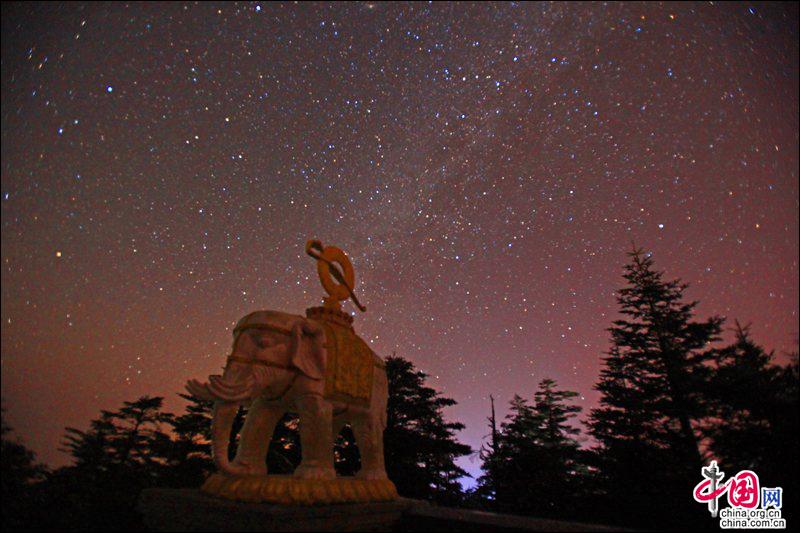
287,490
189,510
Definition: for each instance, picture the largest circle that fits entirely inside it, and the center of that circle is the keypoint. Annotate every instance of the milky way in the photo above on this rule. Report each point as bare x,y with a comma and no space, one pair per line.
486,167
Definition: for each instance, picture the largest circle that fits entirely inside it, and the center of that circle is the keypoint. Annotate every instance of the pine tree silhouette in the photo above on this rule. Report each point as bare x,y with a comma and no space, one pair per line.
532,467
420,445
189,457
755,422
20,473
121,453
647,424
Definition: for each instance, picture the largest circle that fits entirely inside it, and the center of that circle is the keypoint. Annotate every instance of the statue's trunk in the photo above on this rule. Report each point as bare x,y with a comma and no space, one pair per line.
224,414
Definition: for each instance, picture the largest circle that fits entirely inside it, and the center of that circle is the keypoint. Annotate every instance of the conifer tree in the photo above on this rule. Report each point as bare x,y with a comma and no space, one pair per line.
484,495
420,446
20,472
755,418
189,459
121,453
652,398
533,467
132,437
555,413
510,462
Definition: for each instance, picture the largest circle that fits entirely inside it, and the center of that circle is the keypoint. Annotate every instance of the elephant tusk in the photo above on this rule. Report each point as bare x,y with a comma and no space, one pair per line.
228,392
199,390
228,396
220,383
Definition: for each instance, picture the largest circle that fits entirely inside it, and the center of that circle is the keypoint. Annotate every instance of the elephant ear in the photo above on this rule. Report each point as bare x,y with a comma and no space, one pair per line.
309,356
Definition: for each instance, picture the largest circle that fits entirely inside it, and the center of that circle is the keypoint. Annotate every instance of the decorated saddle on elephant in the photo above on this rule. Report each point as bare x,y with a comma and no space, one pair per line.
350,362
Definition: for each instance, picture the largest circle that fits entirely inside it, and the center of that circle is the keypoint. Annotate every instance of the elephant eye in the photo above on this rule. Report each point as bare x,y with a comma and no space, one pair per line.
266,340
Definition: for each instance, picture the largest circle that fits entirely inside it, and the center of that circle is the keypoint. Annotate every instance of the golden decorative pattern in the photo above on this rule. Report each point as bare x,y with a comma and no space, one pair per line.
328,257
339,292
288,490
336,316
349,367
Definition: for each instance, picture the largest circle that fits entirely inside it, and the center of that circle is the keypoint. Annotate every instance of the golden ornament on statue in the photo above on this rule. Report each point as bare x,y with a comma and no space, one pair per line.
328,258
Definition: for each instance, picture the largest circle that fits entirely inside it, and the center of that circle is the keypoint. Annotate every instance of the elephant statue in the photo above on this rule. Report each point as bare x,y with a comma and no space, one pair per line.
315,366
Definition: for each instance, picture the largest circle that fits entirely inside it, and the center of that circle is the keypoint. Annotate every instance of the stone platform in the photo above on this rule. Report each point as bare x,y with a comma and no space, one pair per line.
288,490
190,510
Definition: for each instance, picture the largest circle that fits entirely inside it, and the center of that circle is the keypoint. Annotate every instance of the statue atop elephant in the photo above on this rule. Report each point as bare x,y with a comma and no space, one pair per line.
315,366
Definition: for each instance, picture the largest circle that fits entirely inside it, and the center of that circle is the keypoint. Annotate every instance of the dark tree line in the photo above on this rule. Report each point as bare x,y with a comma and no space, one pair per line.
140,446
20,475
671,399
532,464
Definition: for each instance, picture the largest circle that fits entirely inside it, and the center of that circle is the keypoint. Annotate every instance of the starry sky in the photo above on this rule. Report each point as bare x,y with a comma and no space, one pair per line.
485,166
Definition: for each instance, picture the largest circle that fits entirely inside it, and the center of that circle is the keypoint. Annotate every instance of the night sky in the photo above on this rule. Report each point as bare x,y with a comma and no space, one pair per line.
486,168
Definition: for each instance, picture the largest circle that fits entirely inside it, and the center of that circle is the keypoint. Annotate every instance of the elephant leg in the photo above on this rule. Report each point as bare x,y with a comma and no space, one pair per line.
369,439
256,436
316,420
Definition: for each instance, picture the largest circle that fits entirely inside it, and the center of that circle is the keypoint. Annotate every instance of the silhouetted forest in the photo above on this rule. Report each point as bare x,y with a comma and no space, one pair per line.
672,397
